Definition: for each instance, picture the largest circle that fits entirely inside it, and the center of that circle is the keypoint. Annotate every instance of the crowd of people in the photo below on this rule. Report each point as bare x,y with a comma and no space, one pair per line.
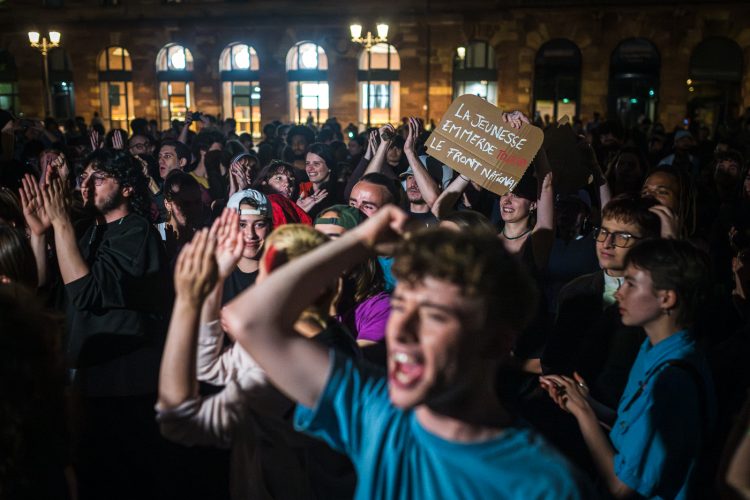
335,314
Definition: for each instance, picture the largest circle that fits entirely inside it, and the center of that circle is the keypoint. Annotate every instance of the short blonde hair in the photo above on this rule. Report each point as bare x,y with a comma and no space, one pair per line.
290,241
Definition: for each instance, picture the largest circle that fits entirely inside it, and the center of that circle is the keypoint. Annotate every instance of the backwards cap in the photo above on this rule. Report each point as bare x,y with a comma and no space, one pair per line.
262,203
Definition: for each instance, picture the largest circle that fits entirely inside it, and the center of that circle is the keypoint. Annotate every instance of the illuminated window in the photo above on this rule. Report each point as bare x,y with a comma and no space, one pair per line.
633,81
714,81
307,73
238,66
379,87
475,71
8,82
61,84
174,70
116,87
557,79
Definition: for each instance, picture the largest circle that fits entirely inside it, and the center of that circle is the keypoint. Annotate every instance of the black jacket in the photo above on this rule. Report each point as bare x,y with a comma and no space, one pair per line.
118,313
592,340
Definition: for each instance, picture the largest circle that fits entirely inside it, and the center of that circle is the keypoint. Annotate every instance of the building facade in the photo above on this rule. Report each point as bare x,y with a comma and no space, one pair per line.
294,60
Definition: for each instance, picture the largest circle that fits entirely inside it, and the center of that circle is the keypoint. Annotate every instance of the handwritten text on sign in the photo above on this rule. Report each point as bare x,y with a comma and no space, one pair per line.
473,139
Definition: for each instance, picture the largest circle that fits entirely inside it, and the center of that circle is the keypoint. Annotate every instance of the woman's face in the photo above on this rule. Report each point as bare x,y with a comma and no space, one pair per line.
281,183
639,303
514,208
664,188
316,168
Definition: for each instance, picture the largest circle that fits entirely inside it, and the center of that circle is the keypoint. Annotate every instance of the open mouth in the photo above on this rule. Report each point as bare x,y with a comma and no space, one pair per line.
406,370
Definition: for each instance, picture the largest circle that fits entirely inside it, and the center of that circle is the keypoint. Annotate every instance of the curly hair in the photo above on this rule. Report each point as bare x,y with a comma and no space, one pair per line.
479,264
128,172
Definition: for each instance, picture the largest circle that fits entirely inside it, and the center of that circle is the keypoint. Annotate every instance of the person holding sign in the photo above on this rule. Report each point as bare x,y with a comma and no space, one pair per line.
433,426
421,189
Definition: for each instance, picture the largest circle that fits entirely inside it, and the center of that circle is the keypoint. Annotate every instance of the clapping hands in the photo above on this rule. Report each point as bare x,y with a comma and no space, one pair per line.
196,270
570,394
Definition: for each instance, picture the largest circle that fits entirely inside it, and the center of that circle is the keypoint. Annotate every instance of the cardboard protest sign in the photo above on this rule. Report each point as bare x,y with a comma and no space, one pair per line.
473,139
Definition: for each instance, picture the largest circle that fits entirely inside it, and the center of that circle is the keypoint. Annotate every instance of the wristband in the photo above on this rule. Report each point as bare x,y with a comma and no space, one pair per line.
464,178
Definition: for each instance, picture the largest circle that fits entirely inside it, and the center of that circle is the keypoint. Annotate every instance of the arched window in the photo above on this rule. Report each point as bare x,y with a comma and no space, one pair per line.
307,72
379,87
174,70
240,88
475,72
714,81
61,84
633,81
8,82
557,79
116,87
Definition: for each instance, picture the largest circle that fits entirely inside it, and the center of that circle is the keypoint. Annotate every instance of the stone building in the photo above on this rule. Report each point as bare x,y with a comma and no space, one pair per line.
290,59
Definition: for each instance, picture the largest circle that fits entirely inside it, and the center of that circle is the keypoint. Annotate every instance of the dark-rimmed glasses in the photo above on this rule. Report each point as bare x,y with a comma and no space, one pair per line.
619,238
97,178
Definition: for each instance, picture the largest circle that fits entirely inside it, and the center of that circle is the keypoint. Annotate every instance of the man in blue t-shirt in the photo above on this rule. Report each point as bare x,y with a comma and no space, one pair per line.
433,427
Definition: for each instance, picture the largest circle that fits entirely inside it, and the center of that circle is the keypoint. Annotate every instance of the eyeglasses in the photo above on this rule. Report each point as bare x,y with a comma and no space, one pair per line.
97,178
139,146
619,238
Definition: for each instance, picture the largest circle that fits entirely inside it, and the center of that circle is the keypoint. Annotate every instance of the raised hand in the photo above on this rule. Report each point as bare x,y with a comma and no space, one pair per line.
383,229
239,176
372,144
386,132
307,202
57,169
196,270
144,166
56,202
670,224
32,204
117,140
229,243
410,145
515,119
95,140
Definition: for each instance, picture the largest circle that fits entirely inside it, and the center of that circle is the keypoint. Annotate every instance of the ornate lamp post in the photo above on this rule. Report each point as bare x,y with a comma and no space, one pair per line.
367,42
44,46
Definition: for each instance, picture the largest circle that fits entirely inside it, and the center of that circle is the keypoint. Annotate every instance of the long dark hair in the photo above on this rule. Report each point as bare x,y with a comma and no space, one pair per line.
273,168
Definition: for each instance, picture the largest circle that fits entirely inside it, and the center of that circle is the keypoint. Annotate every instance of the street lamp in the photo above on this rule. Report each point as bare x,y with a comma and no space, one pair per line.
368,42
44,46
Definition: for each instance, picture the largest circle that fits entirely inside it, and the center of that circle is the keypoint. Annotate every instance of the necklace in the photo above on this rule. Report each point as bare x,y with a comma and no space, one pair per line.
515,237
